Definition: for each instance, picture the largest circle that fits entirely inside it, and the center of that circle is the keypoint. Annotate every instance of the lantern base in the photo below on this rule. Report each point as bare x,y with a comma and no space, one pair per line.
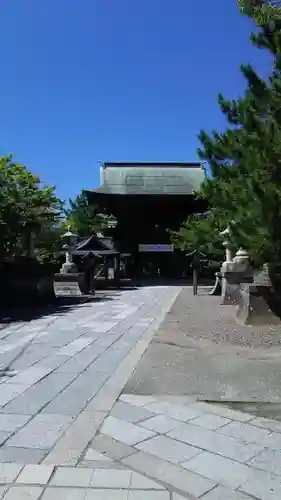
71,285
68,268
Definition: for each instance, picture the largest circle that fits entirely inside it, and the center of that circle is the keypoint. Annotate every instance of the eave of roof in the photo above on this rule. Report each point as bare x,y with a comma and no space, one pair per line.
193,164
104,192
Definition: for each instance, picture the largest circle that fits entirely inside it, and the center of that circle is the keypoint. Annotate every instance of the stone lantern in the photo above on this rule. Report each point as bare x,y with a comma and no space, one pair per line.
226,243
69,240
111,222
226,268
242,259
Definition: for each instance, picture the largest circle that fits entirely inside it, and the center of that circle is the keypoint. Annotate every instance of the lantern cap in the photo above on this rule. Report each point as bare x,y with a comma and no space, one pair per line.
68,233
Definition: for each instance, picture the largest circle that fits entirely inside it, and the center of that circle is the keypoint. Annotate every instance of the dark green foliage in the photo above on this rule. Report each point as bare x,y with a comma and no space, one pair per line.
245,161
26,207
85,219
82,217
199,233
262,11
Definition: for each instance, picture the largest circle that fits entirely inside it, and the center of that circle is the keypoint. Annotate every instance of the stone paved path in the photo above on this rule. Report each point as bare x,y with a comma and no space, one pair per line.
65,373
196,449
68,433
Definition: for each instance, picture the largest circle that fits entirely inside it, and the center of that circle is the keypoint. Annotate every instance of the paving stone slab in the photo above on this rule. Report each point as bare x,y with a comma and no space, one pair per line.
9,391
10,454
88,379
102,327
30,376
160,424
73,443
137,400
223,411
3,490
266,423
70,401
35,474
269,460
9,472
222,493
64,494
169,474
53,362
263,486
37,396
181,400
95,456
149,495
247,432
91,464
124,431
10,423
140,482
219,469
82,360
42,432
72,477
4,436
32,355
215,442
111,478
211,422
111,447
168,449
74,347
178,412
8,357
129,413
23,493
253,434
106,495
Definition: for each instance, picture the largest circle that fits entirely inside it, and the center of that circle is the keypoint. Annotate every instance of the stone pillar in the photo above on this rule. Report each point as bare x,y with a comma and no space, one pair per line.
235,273
106,268
117,267
226,267
68,266
257,304
227,244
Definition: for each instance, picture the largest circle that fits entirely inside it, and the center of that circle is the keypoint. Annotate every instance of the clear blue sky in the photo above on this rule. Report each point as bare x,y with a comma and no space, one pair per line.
84,81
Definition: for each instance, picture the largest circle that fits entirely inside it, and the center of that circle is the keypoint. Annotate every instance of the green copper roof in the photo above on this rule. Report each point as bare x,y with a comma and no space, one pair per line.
178,178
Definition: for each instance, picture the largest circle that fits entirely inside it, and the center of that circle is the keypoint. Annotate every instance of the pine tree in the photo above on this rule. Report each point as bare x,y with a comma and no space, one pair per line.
83,217
245,161
262,11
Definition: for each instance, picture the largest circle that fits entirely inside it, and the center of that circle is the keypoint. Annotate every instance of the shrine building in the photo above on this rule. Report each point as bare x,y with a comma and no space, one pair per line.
148,199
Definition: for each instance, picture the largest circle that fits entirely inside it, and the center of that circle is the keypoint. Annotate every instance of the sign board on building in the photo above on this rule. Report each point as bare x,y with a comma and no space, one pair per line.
156,248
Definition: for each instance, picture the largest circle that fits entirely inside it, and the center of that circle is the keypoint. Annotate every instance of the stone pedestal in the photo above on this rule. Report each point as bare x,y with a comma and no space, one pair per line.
70,285
253,307
231,286
227,288
45,288
217,288
234,273
68,268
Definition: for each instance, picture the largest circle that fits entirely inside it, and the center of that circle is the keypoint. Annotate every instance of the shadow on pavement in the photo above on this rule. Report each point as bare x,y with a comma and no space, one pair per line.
172,282
59,305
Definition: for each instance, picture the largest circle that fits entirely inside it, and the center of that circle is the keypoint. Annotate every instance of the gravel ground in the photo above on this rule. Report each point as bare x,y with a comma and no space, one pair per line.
200,350
203,317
